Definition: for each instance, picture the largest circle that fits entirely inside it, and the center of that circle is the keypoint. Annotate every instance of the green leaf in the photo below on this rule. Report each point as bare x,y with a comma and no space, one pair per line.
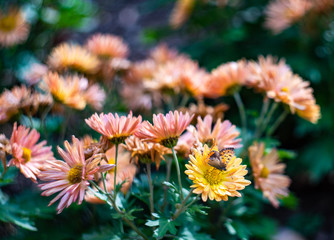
286,154
165,225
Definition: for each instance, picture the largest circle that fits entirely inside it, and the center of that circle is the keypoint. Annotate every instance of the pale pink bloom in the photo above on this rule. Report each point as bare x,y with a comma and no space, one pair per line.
29,156
115,128
162,54
268,173
107,46
281,14
136,98
35,73
165,130
140,71
71,177
224,133
95,96
186,141
181,13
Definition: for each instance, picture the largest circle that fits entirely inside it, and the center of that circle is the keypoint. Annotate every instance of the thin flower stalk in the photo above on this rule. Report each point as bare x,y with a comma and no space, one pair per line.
178,173
242,113
276,124
183,206
149,178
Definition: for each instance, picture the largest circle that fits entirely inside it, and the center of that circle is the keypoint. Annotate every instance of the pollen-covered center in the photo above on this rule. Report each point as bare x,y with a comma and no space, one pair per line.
75,174
264,172
214,176
285,89
7,23
26,154
111,161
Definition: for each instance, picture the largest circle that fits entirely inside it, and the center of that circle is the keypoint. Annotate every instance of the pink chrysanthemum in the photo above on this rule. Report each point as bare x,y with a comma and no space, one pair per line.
165,130
224,133
115,128
29,156
70,178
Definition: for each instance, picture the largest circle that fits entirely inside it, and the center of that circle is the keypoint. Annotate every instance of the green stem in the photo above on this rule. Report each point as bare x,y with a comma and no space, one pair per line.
268,118
149,178
178,173
279,120
168,168
182,207
242,113
265,107
115,173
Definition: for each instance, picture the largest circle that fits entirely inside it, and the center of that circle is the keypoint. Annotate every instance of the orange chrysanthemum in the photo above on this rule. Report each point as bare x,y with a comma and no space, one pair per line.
281,14
146,152
107,46
214,183
114,128
279,83
268,173
73,91
13,27
226,78
74,57
165,130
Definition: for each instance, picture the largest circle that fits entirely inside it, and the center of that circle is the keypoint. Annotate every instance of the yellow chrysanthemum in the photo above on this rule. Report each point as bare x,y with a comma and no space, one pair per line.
73,57
214,183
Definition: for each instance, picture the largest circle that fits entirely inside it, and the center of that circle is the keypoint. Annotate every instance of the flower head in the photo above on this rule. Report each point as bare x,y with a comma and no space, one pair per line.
28,155
74,57
107,46
281,14
165,130
95,96
224,133
35,73
69,177
146,152
214,183
113,127
226,78
268,173
13,27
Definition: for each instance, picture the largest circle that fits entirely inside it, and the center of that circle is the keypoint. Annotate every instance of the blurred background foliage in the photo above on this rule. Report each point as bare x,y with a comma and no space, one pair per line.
212,35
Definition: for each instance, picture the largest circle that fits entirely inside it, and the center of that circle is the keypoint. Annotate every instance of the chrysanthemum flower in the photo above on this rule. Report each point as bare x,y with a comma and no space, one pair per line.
279,83
165,130
226,78
73,91
13,27
115,128
21,98
214,183
224,133
268,173
146,152
140,71
181,12
281,14
70,178
74,57
107,46
28,156
186,141
5,149
136,98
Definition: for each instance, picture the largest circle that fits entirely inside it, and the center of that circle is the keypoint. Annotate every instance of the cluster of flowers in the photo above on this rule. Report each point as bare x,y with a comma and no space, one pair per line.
69,78
166,72
146,143
281,14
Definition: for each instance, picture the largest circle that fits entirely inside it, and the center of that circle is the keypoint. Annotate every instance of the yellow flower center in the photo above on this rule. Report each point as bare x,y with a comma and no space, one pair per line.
285,89
75,174
264,172
7,23
26,154
214,176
